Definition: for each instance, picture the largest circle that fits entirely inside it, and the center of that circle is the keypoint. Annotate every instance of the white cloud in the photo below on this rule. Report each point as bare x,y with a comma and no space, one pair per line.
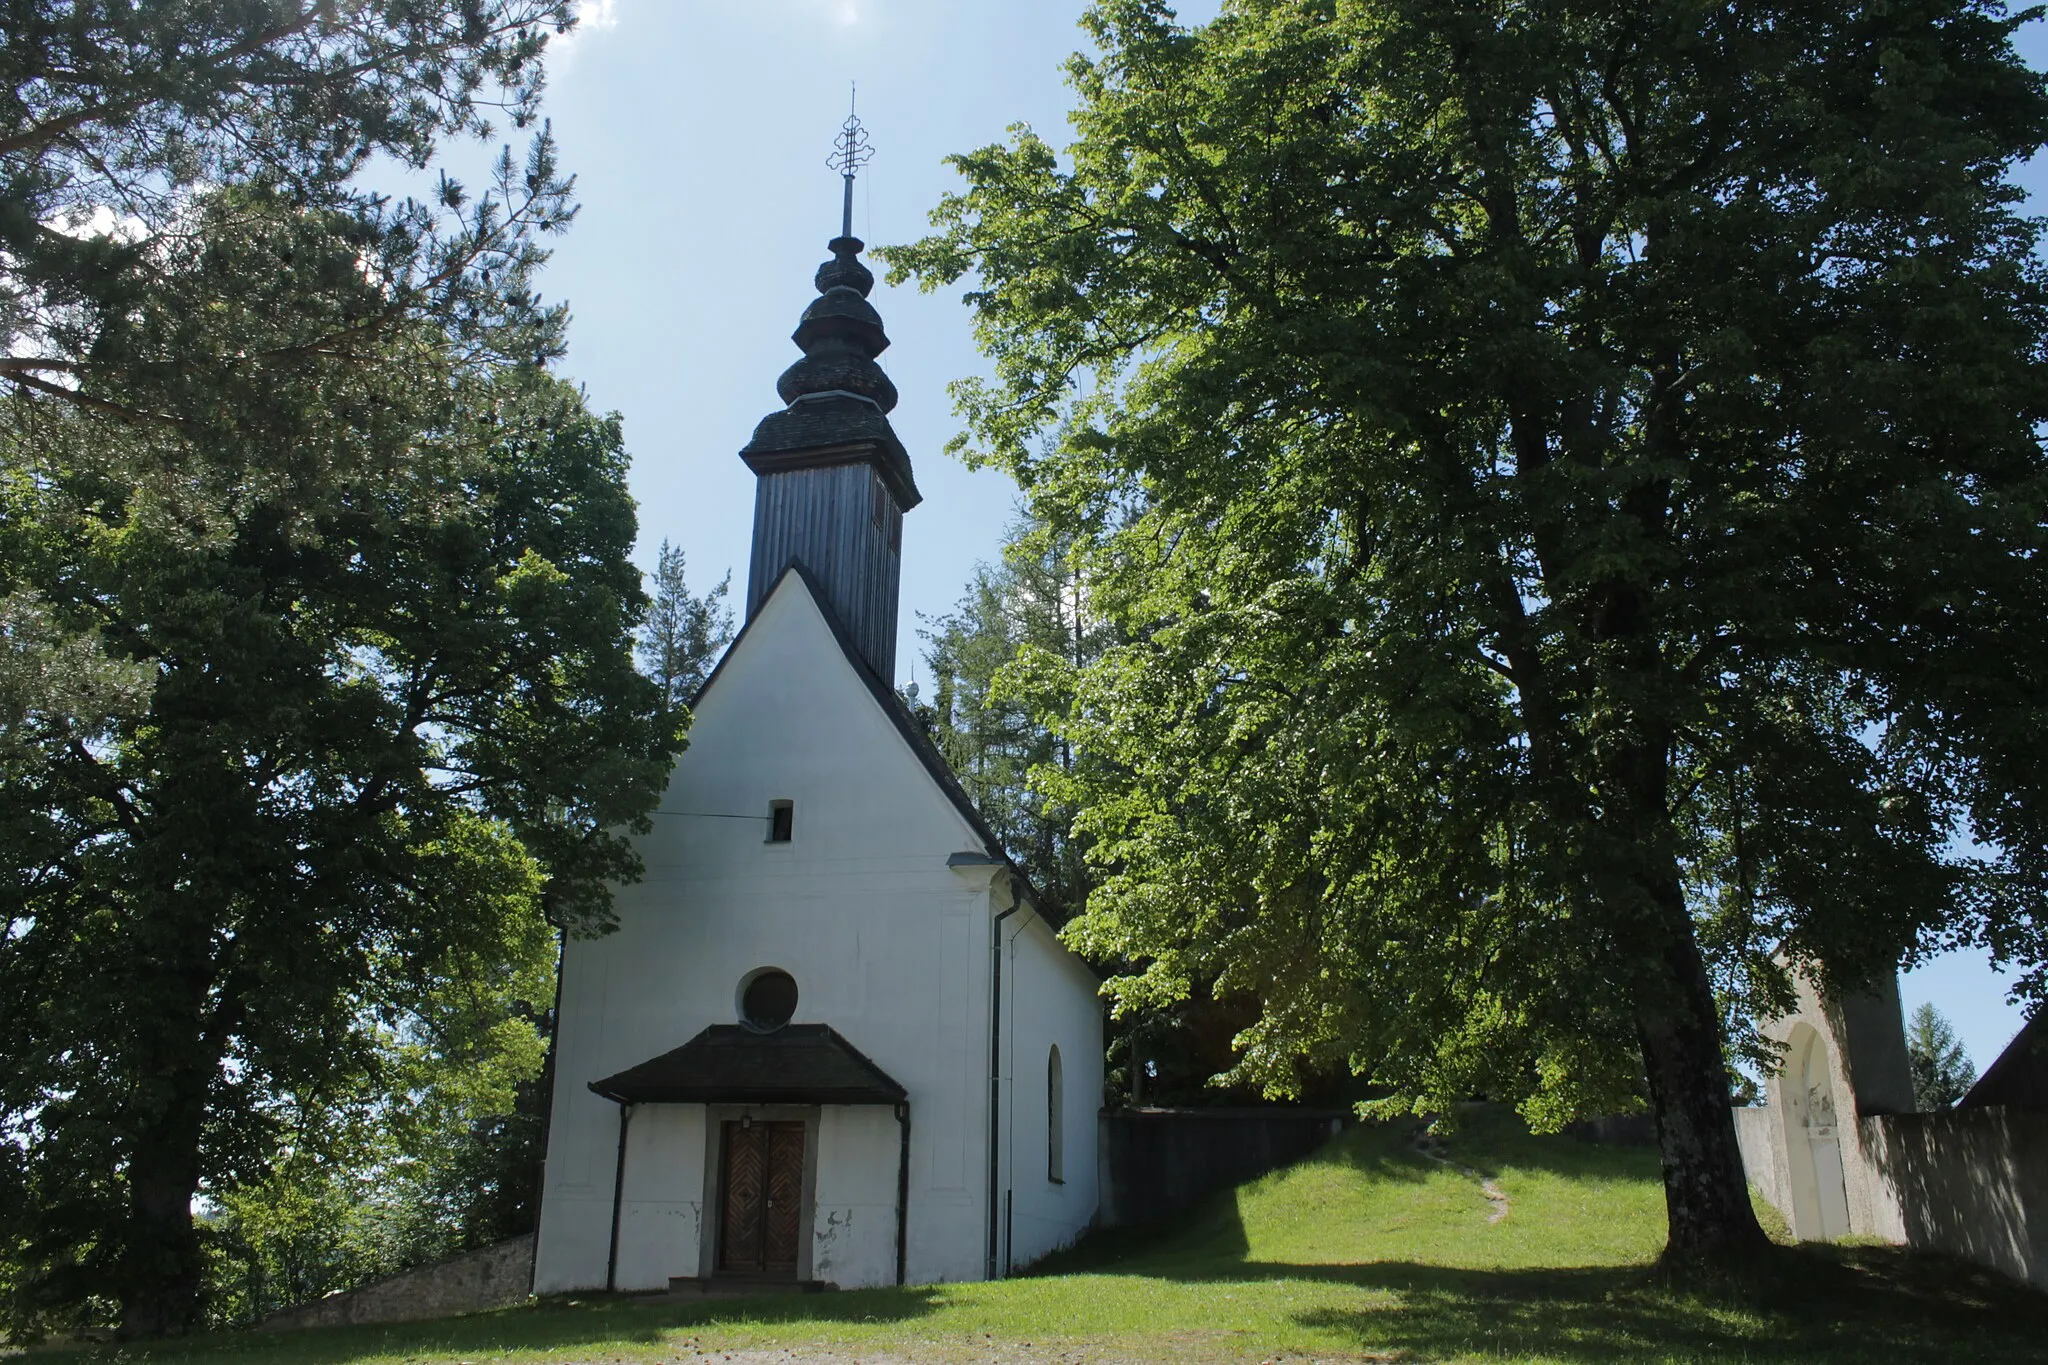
592,16
101,222
847,13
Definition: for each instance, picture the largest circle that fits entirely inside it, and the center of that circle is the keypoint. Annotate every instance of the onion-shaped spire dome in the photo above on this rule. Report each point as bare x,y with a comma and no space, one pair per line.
834,481
840,335
837,398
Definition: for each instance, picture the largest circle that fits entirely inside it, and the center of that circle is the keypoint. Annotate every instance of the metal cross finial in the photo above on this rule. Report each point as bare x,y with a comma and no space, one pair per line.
851,151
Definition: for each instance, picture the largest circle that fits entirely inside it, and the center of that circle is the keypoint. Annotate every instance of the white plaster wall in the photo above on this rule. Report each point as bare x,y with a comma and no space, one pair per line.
661,1213
853,1227
1873,1208
1757,1133
1970,1182
1049,997
886,943
574,1238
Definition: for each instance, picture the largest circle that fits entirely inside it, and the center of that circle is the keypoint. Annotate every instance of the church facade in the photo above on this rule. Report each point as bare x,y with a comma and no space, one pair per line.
832,1039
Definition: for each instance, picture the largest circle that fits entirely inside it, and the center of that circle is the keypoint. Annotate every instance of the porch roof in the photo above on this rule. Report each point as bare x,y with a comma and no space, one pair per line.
728,1064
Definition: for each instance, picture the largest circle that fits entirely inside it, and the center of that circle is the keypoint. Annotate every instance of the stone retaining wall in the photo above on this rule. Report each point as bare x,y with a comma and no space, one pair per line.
493,1277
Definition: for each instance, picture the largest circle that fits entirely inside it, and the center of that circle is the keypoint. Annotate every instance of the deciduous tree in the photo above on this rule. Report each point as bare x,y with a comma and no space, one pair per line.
1569,473
395,729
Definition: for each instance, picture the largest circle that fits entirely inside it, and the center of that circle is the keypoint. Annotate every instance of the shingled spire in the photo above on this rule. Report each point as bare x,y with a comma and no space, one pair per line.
833,480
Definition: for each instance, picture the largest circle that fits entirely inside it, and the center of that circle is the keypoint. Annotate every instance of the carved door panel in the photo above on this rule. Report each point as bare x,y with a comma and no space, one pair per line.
785,1197
761,1198
745,1190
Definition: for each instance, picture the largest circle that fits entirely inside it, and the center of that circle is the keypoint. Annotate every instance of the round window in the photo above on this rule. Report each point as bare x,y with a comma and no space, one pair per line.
768,999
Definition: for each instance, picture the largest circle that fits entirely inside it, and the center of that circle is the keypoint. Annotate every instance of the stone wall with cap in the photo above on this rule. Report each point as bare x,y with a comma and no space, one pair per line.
499,1276
1970,1182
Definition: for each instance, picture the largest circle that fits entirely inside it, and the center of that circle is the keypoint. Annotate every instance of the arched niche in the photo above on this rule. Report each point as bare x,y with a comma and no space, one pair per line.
1813,1142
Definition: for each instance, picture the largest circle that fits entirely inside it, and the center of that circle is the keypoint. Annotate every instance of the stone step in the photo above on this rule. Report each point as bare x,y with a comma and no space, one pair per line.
696,1286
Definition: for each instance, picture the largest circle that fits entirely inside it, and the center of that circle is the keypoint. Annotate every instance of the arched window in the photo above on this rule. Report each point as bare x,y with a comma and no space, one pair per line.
1055,1120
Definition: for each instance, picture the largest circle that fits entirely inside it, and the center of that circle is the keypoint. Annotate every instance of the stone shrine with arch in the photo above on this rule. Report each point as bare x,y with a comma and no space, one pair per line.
1839,1149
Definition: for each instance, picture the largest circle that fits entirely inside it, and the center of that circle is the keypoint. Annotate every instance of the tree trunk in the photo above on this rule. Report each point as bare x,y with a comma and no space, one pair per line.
176,1060
161,1261
1706,1194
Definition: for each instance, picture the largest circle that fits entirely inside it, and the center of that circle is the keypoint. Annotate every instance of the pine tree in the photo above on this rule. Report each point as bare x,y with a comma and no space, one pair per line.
684,634
317,707
1942,1073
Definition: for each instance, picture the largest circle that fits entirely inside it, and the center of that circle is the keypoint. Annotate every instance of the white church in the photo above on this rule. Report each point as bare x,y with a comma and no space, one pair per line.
832,1040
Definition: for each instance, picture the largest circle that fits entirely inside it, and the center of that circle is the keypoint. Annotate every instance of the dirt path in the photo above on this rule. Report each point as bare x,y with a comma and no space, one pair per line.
1431,1146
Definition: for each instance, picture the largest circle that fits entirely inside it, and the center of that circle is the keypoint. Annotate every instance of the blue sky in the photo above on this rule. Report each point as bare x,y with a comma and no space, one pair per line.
698,132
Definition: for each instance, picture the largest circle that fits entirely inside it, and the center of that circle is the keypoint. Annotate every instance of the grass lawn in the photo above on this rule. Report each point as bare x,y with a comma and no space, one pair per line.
1367,1252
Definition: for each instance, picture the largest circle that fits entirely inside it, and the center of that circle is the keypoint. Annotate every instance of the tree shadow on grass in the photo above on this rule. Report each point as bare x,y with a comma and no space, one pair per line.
1790,1304
549,1325
1794,1305
1493,1139
1488,1137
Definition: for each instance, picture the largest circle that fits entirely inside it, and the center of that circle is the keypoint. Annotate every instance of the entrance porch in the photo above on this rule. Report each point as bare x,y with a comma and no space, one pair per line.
749,1158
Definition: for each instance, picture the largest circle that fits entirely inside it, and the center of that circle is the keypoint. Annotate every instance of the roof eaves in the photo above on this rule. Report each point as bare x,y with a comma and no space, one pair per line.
2024,1061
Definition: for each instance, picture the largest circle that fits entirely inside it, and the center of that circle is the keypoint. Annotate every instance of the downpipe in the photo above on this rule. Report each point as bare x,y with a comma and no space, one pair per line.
995,1078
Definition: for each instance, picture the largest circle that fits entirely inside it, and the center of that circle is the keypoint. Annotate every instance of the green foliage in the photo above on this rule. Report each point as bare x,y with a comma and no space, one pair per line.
114,116
402,1171
55,682
1942,1073
1567,476
684,633
318,698
1021,631
394,731
182,238
1001,662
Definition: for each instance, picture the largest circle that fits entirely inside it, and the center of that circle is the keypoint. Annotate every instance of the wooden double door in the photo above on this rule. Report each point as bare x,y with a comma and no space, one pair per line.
761,1196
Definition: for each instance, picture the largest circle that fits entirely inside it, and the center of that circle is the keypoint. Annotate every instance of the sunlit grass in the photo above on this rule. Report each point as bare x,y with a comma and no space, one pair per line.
1367,1251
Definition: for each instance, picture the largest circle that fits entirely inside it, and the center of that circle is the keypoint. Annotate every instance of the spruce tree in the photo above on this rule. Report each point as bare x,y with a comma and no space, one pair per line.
1942,1073
684,633
1021,631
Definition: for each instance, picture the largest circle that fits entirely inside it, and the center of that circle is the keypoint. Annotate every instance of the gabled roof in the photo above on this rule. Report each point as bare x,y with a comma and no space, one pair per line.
728,1064
899,715
2019,1078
